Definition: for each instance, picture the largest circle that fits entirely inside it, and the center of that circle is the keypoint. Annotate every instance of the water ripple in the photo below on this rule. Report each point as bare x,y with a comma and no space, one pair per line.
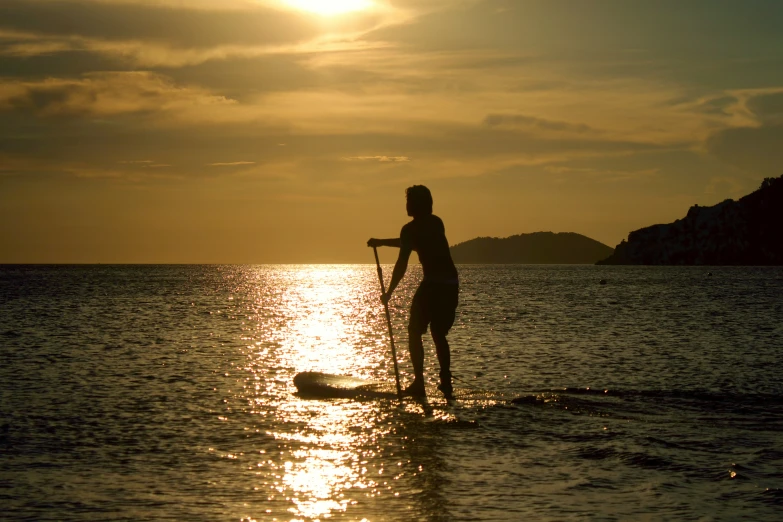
166,392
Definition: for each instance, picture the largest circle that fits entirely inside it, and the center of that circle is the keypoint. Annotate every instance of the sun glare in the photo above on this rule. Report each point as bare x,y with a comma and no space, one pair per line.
330,7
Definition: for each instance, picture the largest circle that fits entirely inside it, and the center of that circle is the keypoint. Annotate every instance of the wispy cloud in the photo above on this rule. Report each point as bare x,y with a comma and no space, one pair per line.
752,143
103,94
232,164
161,33
767,106
380,159
520,120
178,24
145,164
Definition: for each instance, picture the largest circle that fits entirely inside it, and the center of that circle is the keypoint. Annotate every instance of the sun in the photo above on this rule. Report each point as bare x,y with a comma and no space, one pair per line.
330,7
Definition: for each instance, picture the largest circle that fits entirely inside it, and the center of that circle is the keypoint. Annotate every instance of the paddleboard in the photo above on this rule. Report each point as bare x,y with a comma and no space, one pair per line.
319,385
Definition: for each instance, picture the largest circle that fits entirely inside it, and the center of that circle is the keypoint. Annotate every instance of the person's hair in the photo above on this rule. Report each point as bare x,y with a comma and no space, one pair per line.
419,200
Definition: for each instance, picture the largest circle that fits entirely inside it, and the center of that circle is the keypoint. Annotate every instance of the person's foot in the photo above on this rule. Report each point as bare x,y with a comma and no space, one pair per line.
447,390
416,389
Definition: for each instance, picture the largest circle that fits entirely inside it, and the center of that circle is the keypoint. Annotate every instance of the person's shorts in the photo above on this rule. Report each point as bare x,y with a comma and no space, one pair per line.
434,305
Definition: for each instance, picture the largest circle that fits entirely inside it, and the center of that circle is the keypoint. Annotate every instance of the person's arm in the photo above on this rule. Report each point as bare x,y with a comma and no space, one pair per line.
400,267
392,242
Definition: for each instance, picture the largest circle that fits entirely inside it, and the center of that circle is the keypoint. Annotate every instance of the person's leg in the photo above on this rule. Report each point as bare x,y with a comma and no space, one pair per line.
444,360
416,348
444,356
442,320
417,325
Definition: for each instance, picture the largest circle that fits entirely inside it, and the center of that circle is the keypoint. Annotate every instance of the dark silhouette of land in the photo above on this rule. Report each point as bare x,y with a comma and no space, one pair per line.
536,248
744,232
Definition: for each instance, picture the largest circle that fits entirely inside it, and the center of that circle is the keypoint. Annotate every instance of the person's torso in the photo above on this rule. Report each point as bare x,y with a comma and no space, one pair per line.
427,237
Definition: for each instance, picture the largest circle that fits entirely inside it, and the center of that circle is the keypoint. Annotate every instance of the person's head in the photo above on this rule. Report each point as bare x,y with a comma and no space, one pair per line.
419,201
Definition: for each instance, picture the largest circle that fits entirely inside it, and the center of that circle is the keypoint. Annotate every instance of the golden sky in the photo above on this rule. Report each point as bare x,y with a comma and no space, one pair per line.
240,131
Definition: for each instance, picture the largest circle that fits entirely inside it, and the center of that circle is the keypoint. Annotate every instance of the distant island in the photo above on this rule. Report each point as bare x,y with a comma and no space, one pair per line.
744,232
536,248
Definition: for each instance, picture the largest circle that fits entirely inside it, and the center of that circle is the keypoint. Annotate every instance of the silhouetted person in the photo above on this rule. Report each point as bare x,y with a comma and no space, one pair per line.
435,301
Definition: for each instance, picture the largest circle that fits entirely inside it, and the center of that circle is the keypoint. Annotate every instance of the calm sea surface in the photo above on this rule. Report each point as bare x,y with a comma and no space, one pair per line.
165,393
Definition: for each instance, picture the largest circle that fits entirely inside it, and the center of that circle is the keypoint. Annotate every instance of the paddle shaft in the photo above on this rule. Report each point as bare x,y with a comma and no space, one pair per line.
388,322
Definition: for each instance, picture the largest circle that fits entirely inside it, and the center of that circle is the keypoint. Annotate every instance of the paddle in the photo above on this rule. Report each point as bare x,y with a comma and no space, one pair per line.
388,322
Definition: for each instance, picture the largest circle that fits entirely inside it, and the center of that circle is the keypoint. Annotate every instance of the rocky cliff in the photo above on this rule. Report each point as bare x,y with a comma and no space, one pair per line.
536,248
744,232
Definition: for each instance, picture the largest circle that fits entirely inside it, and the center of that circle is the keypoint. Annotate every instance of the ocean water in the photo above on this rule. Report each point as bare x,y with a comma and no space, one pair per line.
165,393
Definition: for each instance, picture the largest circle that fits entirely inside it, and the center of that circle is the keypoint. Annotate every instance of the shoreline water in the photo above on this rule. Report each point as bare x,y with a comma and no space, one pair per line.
152,392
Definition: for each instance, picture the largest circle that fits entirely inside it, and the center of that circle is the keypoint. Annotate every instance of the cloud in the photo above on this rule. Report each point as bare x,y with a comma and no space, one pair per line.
23,44
767,107
156,33
518,120
560,28
719,106
380,159
142,53
173,24
753,144
123,176
102,94
145,164
232,164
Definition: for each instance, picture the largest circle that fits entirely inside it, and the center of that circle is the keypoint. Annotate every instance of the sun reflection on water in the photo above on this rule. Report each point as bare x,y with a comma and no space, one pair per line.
330,469
331,325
